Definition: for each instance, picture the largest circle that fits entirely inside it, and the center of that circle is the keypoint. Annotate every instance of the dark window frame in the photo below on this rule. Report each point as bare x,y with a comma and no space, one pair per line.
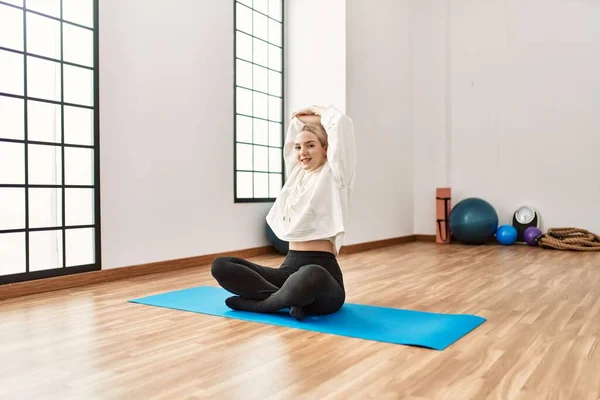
64,270
236,198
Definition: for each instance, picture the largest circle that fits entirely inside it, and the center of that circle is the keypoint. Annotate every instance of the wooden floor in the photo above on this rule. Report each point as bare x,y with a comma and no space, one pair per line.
541,340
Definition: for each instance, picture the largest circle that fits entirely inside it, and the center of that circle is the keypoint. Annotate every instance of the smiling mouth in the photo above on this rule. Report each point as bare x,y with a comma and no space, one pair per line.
305,160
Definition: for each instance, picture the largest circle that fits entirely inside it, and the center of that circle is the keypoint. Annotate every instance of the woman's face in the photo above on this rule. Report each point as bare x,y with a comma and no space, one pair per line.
310,154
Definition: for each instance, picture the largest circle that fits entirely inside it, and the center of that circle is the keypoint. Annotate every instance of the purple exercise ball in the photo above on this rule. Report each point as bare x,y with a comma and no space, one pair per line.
531,235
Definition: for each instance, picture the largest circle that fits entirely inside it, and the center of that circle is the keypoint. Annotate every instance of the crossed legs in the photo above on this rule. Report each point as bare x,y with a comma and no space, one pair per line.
246,279
266,290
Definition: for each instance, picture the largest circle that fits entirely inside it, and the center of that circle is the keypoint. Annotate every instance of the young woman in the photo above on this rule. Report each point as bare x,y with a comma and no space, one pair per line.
311,213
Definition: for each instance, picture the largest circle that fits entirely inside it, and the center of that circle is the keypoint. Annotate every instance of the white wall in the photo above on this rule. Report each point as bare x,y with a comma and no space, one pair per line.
315,54
524,96
166,103
379,99
431,106
336,54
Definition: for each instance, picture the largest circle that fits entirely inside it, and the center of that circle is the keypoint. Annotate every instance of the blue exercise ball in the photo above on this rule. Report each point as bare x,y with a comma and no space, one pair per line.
281,246
506,235
473,221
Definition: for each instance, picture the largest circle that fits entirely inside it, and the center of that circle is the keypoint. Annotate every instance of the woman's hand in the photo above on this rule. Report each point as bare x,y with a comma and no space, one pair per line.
312,110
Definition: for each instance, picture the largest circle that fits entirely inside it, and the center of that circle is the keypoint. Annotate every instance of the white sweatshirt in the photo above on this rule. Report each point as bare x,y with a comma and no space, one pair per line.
314,205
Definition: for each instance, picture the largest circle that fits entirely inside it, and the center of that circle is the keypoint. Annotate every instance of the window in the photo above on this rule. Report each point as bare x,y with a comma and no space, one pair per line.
49,194
258,144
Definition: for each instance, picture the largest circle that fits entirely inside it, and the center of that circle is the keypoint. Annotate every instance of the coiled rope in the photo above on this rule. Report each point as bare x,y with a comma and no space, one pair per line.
569,239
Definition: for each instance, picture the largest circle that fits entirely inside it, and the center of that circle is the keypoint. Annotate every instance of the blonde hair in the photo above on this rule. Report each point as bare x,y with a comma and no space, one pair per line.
319,132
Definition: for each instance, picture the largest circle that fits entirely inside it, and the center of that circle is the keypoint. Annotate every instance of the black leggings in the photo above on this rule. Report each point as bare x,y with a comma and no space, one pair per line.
306,282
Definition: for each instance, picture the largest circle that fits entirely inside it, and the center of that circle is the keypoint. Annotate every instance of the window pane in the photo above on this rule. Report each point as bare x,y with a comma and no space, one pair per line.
261,158
79,166
12,163
243,18
274,160
45,165
243,74
261,26
49,7
274,57
78,45
244,185
45,250
12,253
244,129
15,2
246,2
79,86
243,46
274,185
275,32
79,11
275,83
261,185
275,133
11,73
261,81
12,212
43,79
261,132
274,108
43,36
11,28
275,9
79,125
45,208
79,207
261,5
43,122
12,118
261,52
243,101
80,245
244,156
261,105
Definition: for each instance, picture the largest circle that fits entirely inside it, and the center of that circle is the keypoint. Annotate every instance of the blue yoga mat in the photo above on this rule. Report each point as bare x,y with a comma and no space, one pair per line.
391,325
